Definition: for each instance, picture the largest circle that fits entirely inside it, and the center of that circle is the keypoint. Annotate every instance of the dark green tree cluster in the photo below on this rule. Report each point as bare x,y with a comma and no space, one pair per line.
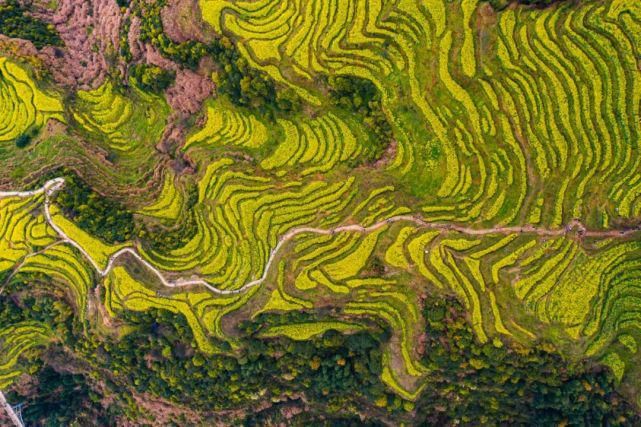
16,22
152,78
361,96
46,309
494,384
52,396
502,4
11,311
338,375
18,303
106,219
63,398
188,53
332,364
160,237
123,39
161,358
27,136
273,416
113,222
244,85
15,308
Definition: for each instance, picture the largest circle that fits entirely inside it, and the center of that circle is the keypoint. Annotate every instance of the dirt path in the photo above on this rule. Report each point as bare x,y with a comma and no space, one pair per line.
12,414
56,184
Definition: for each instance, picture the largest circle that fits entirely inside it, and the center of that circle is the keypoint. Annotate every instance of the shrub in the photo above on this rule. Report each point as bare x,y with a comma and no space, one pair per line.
26,137
505,385
244,85
152,78
502,4
15,22
102,217
361,96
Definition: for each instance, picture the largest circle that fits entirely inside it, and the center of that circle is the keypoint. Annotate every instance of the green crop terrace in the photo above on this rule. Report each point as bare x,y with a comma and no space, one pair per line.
512,183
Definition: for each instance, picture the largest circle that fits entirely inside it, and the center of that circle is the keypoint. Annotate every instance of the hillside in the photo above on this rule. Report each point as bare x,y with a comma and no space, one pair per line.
337,212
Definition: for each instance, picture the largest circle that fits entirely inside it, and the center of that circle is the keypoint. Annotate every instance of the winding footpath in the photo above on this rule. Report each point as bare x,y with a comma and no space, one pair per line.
52,186
10,412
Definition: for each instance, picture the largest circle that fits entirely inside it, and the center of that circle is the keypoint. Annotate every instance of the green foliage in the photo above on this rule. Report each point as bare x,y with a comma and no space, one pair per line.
62,398
161,238
16,22
523,124
51,396
123,37
499,385
274,415
16,306
361,96
502,4
26,137
159,357
23,140
468,382
152,78
187,53
244,85
98,215
11,311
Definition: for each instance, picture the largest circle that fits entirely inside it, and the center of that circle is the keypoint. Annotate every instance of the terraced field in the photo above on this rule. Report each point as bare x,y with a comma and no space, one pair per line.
24,105
122,122
513,183
532,122
16,341
226,126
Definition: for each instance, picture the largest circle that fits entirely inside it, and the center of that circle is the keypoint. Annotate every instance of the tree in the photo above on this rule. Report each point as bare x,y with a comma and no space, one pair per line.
152,78
15,22
26,137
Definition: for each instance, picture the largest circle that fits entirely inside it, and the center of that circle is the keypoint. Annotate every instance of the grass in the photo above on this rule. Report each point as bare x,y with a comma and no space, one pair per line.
305,331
